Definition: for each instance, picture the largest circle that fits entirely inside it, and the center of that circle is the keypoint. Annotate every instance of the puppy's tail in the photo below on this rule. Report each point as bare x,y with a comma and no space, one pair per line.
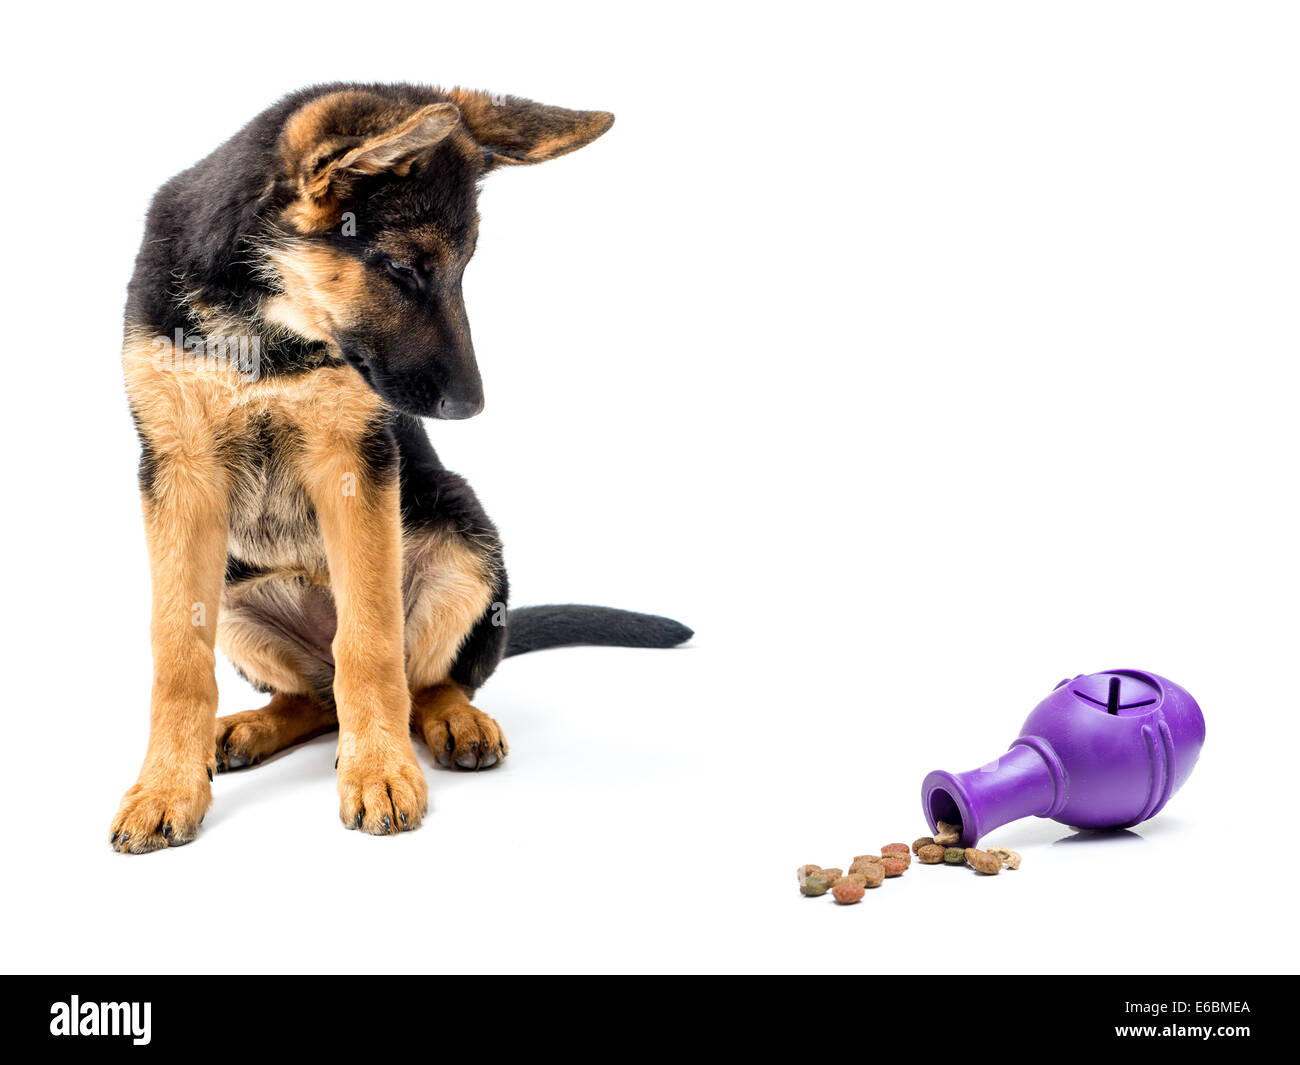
532,628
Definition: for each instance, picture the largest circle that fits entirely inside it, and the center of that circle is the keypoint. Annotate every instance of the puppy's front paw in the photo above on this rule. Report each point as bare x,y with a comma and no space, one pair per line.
162,811
382,794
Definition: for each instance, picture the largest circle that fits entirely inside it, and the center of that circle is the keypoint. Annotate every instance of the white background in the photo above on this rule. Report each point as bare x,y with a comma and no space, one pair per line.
916,355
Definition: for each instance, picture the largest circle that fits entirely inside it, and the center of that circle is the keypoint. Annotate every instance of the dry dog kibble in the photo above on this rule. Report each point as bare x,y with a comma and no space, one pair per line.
873,873
846,893
868,871
816,884
983,861
893,867
947,835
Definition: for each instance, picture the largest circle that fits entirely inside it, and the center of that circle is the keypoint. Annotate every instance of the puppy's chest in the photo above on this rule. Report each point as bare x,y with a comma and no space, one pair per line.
272,521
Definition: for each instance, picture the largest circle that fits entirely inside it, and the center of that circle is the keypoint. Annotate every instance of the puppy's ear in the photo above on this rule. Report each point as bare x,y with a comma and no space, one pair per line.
331,141
512,130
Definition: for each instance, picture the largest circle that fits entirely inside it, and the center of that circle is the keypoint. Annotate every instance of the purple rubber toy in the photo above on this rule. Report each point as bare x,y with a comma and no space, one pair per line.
1105,750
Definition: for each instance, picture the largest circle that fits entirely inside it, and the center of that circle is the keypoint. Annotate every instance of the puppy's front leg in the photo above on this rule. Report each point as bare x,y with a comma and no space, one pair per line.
381,785
185,512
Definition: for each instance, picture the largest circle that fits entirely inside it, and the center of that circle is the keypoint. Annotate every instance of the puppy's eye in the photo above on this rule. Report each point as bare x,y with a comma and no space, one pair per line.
402,273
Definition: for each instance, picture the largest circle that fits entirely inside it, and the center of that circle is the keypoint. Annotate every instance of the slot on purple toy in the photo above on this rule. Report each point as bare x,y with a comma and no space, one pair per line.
1104,750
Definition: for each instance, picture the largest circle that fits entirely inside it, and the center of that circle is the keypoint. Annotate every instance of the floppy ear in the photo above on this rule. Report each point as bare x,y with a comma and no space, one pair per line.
394,148
334,139
512,130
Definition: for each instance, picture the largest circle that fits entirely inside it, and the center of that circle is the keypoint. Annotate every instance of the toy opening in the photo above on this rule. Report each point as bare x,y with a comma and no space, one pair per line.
1120,701
943,807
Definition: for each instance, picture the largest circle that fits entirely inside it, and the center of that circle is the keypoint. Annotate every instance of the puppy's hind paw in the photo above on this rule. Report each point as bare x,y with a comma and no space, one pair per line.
466,738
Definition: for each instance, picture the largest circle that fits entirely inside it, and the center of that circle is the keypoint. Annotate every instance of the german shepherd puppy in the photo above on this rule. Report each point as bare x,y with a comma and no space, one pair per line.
294,311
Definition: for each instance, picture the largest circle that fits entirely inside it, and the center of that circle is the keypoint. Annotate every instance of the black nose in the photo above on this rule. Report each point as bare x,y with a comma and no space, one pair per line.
456,409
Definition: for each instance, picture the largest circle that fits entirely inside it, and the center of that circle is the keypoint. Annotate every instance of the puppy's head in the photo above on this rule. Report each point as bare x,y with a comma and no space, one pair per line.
380,220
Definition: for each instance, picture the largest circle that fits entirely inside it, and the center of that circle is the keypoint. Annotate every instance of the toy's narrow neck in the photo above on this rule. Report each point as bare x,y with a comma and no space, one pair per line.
1019,784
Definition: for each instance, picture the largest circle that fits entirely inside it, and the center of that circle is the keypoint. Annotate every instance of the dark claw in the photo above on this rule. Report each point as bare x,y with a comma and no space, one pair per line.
209,769
113,838
336,763
356,823
226,747
450,745
167,830
388,824
404,818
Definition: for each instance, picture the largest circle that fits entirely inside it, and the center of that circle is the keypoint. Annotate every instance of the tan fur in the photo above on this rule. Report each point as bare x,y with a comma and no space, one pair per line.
185,518
189,410
457,733
352,132
267,662
454,590
322,289
248,737
521,132
381,786
446,581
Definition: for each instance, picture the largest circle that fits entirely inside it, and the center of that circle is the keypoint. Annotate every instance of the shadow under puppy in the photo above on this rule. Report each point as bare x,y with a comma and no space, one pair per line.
295,309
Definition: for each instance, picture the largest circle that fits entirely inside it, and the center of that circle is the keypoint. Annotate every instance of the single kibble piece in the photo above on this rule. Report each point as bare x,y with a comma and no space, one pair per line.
930,854
894,848
805,871
873,873
893,867
816,884
947,835
1009,858
954,856
924,841
846,893
851,878
863,859
983,861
